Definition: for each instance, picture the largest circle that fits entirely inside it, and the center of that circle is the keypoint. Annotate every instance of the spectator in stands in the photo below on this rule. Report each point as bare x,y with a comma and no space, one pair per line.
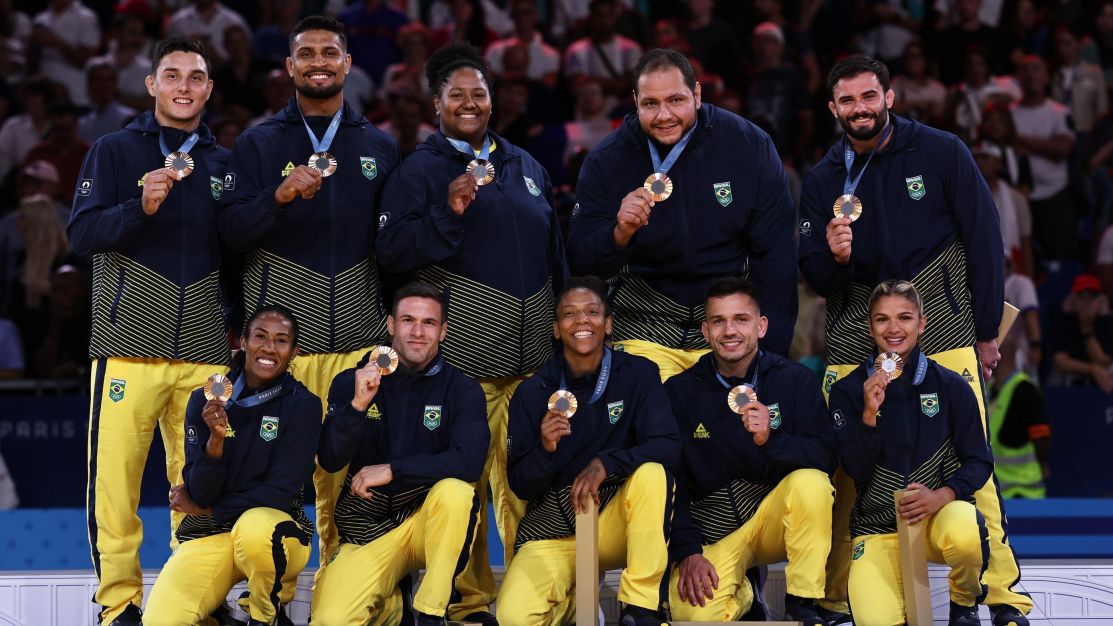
1043,131
1026,348
998,127
714,41
14,23
107,113
408,111
468,25
544,60
1018,429
798,44
967,32
494,17
64,37
44,249
1104,262
968,99
1027,33
414,42
1012,206
1083,338
207,21
1078,84
372,27
272,42
603,54
919,95
511,117
590,123
12,364
237,84
21,132
129,51
888,28
226,131
1102,39
778,99
64,348
277,91
62,147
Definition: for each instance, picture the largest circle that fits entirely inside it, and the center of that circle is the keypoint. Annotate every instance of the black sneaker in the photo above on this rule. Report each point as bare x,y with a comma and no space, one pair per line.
964,615
637,616
283,619
1007,615
803,610
835,618
481,617
424,619
131,616
223,616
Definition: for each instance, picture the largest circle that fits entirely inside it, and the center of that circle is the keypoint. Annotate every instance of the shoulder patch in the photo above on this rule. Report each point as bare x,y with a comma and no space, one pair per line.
268,429
85,187
229,181
368,167
929,404
838,419
532,186
723,193
916,189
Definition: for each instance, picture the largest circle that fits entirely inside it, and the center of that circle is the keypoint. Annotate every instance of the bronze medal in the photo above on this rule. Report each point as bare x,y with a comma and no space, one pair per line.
218,386
659,187
564,401
890,363
324,163
848,205
482,170
385,358
739,397
180,162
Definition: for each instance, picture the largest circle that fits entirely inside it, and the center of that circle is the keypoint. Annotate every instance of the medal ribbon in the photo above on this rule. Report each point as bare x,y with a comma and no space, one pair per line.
436,368
255,400
728,386
600,383
186,146
921,369
848,157
330,132
484,153
674,154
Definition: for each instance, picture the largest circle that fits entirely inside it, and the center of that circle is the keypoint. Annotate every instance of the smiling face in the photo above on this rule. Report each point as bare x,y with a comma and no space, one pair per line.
268,348
464,105
418,328
666,106
180,86
896,325
861,105
733,327
318,64
582,323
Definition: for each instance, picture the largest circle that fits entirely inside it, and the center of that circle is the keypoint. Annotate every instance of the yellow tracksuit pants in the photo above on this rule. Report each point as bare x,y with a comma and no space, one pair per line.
790,523
954,537
265,548
477,584
539,588
671,361
128,398
1003,572
360,584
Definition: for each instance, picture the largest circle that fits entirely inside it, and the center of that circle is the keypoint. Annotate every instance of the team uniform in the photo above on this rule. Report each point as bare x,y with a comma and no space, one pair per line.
157,327
928,217
316,256
258,530
929,432
740,504
630,428
701,233
499,265
430,427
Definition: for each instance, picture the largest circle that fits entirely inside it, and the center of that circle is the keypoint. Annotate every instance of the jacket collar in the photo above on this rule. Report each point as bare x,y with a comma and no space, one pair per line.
904,132
766,361
552,369
146,124
632,132
438,143
291,114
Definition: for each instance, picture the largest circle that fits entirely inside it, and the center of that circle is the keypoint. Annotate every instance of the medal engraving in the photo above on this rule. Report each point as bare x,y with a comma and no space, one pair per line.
385,358
323,162
659,187
739,397
562,400
848,205
890,363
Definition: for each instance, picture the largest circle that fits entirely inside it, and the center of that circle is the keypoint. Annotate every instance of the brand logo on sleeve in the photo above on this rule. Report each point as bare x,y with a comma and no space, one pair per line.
383,219
916,187
775,415
85,187
929,404
432,416
116,389
368,167
268,430
614,411
532,186
722,193
191,434
216,187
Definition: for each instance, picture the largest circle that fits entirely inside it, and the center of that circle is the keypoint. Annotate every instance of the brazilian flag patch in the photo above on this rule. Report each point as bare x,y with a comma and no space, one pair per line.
828,380
774,415
116,389
216,187
614,411
915,186
432,416
859,550
929,404
723,193
368,167
268,430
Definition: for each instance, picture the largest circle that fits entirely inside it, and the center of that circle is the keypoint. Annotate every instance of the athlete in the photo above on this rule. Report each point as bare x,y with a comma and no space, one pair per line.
145,210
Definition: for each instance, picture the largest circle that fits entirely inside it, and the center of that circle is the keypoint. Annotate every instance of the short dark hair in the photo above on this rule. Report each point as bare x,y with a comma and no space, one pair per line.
451,58
590,283
319,22
279,310
854,65
662,59
733,285
419,289
180,44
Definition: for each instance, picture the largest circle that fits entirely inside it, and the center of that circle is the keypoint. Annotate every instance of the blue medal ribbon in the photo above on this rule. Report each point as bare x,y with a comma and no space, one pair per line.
600,383
330,133
484,153
757,370
255,400
186,146
674,154
438,365
850,185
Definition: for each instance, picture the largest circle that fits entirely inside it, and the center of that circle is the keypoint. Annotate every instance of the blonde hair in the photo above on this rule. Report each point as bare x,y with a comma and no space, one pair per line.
900,288
44,239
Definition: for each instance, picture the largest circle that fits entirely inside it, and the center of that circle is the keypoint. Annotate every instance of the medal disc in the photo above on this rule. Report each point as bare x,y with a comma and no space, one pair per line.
562,400
385,358
739,397
323,162
180,162
659,187
848,205
483,171
218,386
890,363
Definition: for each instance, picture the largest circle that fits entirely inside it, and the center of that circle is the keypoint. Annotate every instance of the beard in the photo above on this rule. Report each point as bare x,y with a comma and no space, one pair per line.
320,93
871,131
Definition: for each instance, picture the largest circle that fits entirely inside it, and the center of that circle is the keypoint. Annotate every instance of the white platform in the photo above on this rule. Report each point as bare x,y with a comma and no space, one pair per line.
1074,593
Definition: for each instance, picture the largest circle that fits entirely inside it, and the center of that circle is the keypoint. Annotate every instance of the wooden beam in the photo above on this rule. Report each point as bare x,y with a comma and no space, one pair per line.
913,567
587,566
